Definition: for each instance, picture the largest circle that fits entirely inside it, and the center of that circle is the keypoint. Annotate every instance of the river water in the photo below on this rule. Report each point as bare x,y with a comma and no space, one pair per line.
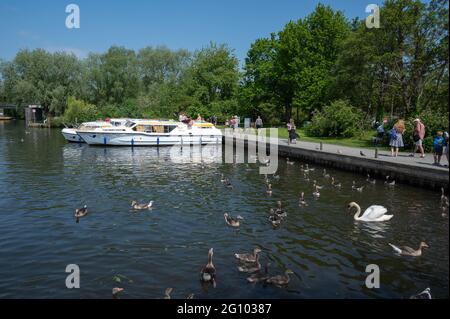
43,179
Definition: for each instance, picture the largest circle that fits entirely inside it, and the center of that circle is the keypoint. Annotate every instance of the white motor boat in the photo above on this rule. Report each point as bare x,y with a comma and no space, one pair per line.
71,135
153,133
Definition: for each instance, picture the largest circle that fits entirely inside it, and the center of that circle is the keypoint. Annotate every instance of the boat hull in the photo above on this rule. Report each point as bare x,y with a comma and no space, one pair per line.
146,139
72,136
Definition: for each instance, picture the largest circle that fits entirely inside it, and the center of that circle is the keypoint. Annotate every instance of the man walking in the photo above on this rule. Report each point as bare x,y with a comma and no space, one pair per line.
418,136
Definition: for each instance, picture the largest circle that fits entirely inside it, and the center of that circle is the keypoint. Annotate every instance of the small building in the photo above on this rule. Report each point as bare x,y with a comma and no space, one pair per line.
6,110
34,114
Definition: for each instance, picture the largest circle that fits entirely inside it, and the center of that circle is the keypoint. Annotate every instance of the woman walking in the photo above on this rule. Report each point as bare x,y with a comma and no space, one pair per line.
291,130
396,140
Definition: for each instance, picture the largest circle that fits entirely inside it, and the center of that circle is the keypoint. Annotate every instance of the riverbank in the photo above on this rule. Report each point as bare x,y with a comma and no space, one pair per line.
378,163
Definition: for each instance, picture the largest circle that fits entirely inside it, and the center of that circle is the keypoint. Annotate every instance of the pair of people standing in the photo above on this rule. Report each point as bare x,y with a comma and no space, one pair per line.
397,132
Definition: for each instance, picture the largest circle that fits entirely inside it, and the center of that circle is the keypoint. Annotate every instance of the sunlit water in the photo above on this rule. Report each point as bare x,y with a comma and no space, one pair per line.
43,179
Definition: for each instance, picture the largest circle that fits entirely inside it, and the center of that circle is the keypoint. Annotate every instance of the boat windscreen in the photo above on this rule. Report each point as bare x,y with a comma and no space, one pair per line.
129,124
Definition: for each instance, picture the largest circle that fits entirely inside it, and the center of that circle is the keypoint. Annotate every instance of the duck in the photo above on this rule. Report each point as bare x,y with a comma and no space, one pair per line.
259,276
280,280
275,219
269,189
316,192
325,174
289,162
408,251
254,267
302,169
248,258
371,181
223,179
389,183
334,184
306,178
266,179
426,294
356,188
302,201
315,185
167,293
374,213
309,169
80,212
233,221
208,273
136,205
116,291
280,211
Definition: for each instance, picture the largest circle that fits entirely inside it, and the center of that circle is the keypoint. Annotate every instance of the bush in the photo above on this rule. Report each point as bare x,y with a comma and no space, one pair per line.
57,121
79,111
339,119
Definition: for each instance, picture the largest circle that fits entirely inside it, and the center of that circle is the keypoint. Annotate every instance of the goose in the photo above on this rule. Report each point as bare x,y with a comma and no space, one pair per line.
279,211
371,181
289,162
280,280
259,276
325,173
408,251
316,193
389,183
315,185
444,199
426,294
80,212
374,213
167,293
254,267
135,205
356,188
269,189
208,273
227,184
302,201
248,258
309,169
334,184
274,218
116,291
233,221
444,211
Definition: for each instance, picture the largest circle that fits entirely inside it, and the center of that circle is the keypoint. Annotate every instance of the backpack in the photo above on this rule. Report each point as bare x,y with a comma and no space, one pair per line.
393,133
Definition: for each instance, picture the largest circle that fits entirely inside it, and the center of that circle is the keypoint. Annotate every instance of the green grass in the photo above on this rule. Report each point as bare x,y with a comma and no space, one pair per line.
364,139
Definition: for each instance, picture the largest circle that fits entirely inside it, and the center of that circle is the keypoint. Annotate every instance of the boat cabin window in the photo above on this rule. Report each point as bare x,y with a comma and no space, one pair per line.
169,128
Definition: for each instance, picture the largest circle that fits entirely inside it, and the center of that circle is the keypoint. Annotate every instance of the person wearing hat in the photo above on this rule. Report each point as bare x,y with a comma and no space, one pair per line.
418,136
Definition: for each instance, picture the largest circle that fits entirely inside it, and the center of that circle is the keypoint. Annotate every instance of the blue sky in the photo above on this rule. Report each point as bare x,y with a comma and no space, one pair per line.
189,24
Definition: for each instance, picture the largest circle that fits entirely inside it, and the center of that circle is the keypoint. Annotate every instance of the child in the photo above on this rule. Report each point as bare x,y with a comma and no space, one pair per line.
439,144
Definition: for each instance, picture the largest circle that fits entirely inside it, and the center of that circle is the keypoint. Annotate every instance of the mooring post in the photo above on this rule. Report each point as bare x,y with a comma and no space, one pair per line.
321,146
376,152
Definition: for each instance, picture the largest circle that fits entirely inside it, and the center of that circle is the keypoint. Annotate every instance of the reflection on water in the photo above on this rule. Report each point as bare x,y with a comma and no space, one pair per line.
43,179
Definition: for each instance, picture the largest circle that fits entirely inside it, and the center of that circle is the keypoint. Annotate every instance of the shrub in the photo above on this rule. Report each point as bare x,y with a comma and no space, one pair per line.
79,111
339,119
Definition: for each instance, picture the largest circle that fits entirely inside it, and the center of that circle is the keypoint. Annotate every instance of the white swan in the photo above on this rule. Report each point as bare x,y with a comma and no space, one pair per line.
374,213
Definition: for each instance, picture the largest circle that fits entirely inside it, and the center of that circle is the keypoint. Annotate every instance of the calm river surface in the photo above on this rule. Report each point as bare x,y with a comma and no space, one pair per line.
43,179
